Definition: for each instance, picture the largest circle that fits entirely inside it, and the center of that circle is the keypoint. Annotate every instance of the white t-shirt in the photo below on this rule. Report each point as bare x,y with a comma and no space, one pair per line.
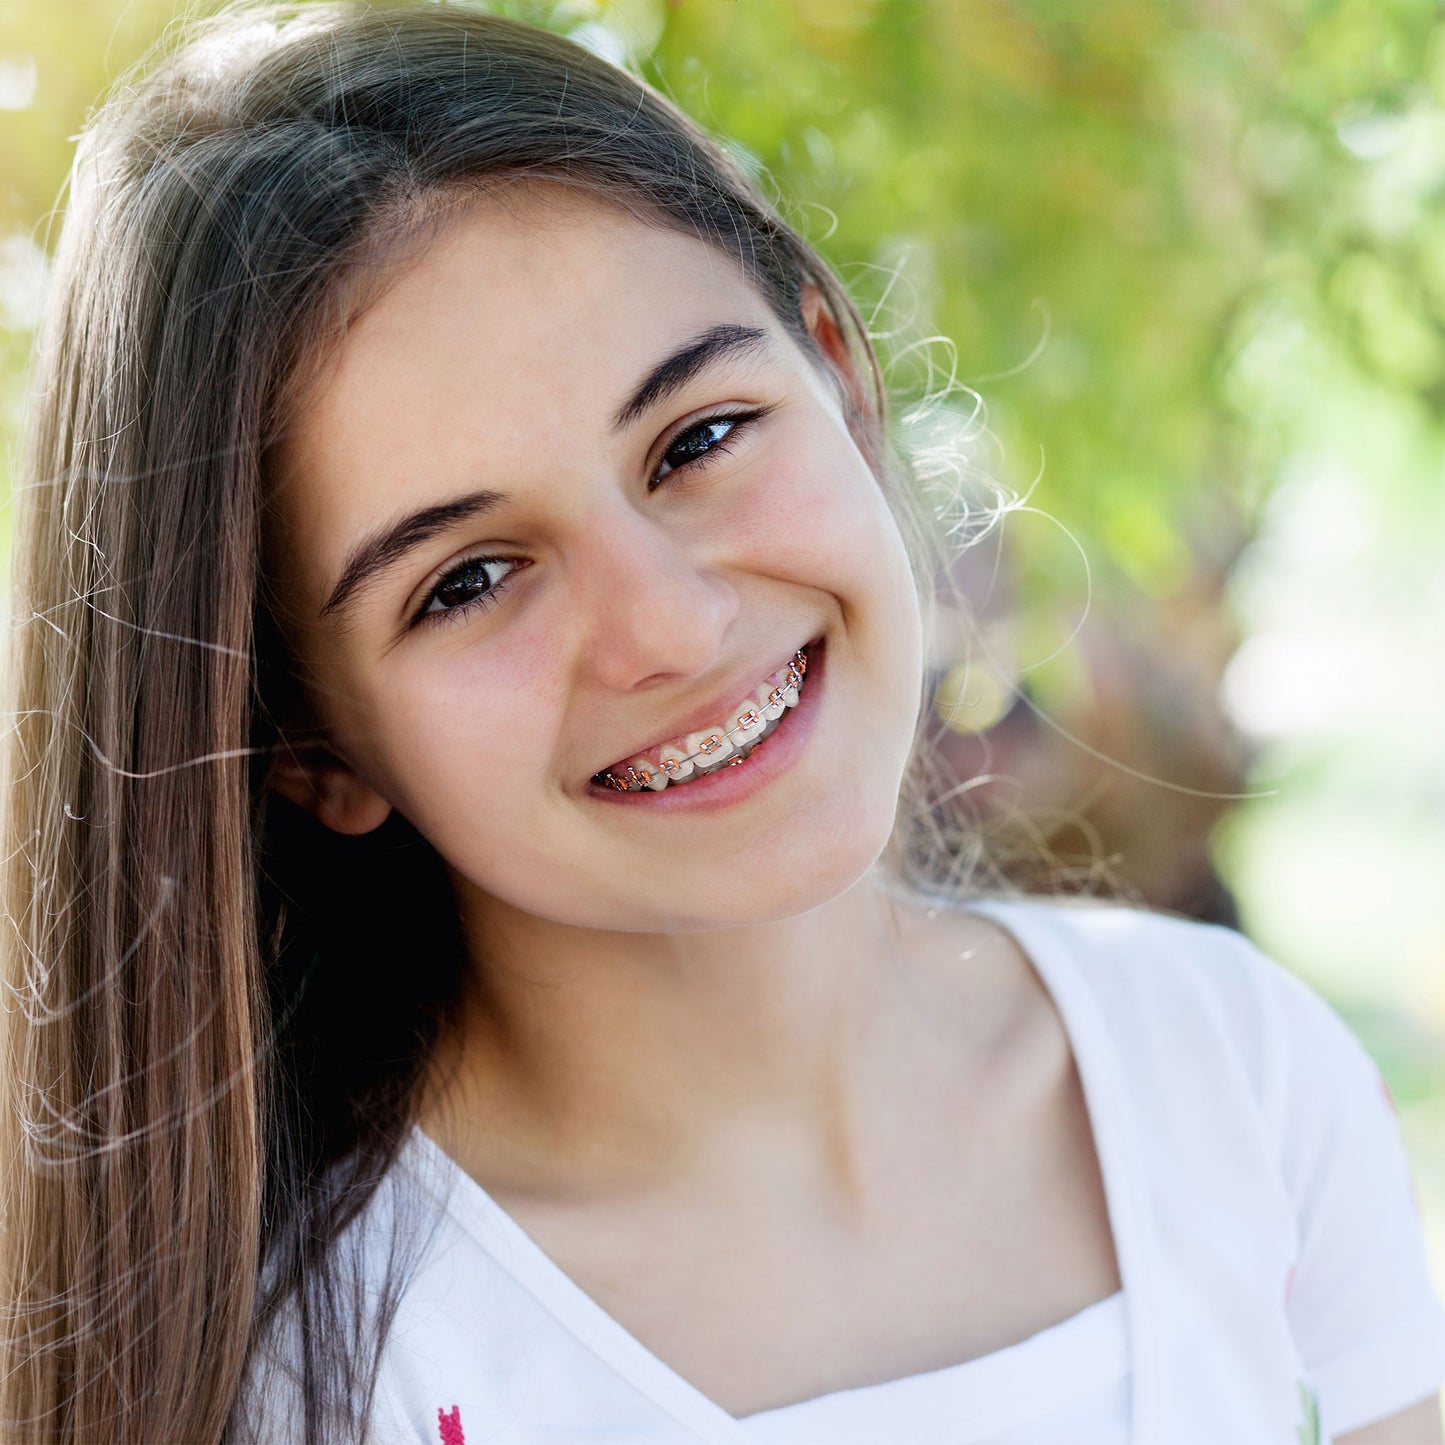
1268,1245
1067,1384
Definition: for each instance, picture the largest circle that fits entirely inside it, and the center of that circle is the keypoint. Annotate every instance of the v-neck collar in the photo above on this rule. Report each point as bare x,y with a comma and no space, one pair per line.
1049,952
511,1247
1039,930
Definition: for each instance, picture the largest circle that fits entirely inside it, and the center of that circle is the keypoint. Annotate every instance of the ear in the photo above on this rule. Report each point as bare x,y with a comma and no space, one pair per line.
319,780
828,337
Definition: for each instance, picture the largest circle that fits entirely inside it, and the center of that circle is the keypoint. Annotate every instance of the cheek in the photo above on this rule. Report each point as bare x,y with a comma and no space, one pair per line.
817,515
453,732
826,525
839,533
464,752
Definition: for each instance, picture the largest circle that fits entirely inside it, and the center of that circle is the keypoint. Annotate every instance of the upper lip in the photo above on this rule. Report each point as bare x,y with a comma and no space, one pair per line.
710,715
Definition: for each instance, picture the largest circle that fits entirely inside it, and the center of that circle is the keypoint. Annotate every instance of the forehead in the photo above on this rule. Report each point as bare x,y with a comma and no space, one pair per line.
527,317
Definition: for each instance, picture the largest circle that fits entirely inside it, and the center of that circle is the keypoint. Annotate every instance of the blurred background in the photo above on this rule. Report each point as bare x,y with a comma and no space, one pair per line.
1189,256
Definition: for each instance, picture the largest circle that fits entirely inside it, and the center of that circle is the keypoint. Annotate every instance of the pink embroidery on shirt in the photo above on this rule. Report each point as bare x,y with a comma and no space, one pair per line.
450,1426
1289,1285
1389,1097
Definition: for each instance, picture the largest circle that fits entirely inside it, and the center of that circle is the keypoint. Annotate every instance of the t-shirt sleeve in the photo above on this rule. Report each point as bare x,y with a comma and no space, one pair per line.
1369,1326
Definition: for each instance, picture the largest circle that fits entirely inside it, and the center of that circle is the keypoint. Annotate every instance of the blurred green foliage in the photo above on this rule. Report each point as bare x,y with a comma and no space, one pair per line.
1137,194
1135,190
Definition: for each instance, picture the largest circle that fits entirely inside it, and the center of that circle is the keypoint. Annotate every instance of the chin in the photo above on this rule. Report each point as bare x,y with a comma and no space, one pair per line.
792,875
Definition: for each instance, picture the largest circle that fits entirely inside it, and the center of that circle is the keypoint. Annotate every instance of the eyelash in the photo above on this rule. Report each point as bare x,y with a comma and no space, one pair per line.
740,422
426,617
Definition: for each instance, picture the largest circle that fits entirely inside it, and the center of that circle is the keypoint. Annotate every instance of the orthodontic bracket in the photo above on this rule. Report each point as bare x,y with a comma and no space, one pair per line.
633,778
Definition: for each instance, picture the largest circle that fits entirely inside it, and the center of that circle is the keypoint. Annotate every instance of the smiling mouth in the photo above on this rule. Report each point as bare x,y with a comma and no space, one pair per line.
696,754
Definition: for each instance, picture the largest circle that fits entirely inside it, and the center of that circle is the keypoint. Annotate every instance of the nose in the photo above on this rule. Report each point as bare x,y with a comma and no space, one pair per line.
658,608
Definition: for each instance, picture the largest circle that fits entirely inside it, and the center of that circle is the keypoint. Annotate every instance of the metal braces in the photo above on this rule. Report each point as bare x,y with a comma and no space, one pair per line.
634,778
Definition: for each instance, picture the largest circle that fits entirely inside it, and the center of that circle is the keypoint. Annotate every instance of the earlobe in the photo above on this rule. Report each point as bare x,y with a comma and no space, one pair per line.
316,779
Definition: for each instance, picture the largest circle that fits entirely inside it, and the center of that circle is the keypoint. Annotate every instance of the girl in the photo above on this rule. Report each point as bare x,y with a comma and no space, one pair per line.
478,967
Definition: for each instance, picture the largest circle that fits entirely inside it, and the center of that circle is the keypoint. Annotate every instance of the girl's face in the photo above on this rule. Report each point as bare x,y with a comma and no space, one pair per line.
569,492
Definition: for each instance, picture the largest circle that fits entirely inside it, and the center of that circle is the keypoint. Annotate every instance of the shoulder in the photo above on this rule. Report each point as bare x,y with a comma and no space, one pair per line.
373,1266
1122,950
1266,1133
1174,993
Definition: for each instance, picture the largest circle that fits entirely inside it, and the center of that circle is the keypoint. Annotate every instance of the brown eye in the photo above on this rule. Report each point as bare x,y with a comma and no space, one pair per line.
695,443
472,583
703,440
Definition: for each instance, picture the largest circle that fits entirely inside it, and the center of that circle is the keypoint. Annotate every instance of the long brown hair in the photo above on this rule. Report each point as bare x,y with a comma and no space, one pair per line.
210,1055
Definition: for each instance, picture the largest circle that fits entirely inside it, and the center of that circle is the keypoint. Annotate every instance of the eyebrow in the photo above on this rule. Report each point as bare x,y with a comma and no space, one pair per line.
389,544
675,371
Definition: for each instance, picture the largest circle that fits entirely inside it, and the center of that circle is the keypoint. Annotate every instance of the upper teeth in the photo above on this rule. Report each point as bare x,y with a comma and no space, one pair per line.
704,751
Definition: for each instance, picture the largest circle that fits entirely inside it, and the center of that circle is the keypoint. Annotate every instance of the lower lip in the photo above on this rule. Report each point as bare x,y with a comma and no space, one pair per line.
728,785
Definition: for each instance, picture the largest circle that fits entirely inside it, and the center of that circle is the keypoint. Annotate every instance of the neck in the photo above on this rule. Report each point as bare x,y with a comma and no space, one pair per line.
610,1060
